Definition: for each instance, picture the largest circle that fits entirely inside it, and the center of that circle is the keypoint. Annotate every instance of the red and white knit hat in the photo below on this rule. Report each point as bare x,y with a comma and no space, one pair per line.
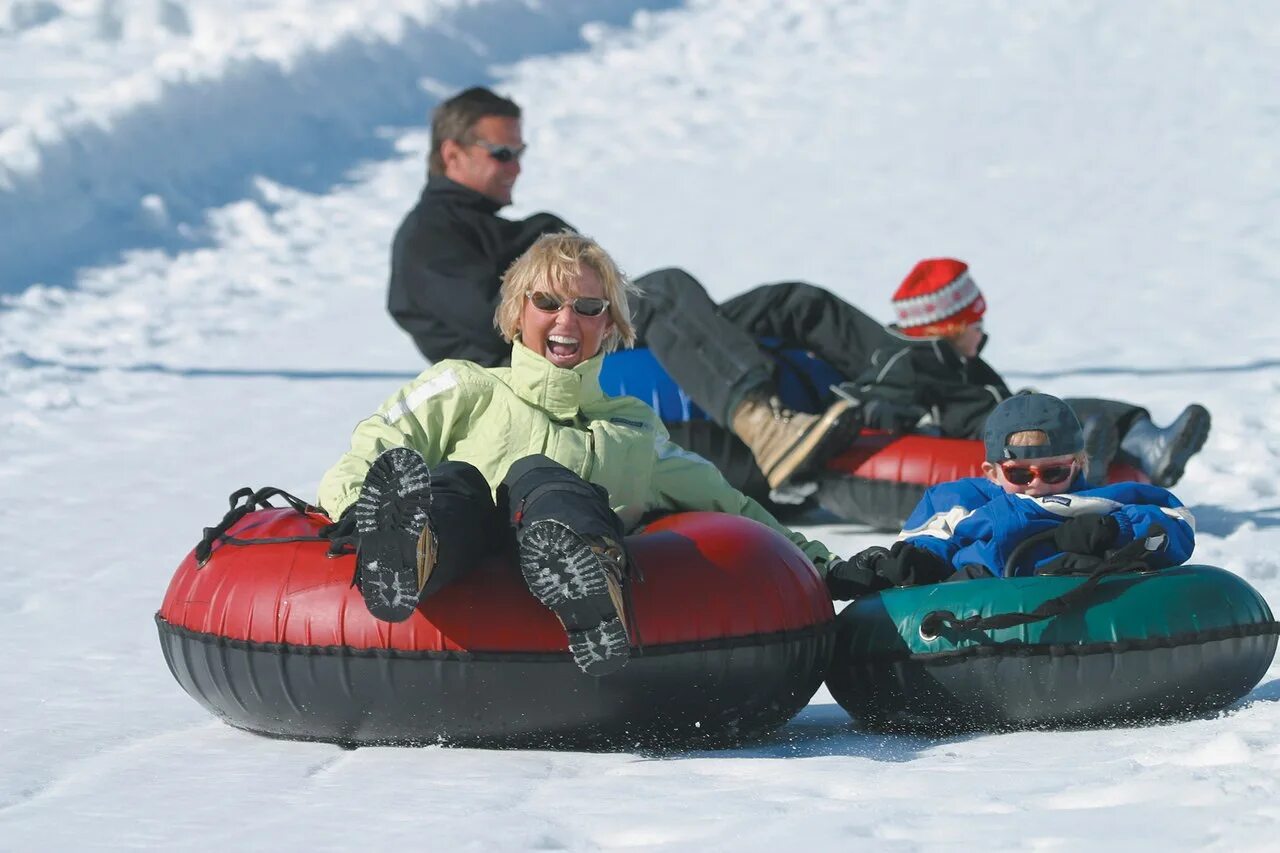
937,299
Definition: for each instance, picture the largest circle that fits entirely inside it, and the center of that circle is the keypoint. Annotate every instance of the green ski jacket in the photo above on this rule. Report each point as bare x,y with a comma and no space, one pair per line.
491,417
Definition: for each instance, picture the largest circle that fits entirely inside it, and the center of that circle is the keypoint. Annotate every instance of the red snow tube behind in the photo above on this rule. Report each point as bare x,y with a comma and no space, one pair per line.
732,622
882,477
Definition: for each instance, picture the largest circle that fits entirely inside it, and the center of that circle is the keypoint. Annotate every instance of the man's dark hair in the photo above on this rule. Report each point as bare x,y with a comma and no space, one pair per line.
455,118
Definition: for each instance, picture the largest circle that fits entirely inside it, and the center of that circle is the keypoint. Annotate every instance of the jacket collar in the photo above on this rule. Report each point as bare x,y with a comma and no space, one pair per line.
943,350
559,391
940,344
442,189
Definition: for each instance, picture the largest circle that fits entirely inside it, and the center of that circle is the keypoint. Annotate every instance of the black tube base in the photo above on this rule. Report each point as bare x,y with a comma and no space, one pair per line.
715,693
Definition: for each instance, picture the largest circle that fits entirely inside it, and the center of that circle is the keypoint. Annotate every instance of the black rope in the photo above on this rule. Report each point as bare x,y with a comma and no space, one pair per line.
1020,550
1128,557
244,501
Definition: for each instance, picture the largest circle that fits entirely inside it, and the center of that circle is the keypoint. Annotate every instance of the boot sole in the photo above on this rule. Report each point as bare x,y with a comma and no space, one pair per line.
1173,462
565,575
835,431
388,576
387,552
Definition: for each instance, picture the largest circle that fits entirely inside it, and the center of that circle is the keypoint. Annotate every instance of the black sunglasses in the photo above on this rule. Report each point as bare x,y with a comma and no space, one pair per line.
502,153
1022,475
586,306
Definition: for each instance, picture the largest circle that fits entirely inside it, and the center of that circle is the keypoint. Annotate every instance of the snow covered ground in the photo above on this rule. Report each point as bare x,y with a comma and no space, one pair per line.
233,171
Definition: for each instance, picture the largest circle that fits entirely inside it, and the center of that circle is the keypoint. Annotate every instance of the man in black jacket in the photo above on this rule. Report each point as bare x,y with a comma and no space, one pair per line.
450,252
452,249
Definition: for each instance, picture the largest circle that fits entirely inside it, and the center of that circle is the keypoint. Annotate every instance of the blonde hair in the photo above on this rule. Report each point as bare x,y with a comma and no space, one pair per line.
1028,438
551,263
1037,438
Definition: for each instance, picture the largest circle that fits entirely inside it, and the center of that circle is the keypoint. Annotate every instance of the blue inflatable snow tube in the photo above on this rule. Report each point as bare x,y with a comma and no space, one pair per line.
804,382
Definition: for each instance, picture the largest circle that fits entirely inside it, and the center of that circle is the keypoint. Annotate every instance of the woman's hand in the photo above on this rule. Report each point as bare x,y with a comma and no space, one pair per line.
856,576
875,569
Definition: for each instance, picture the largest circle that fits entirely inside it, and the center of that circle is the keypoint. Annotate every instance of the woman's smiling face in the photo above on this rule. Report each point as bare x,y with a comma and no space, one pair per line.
564,337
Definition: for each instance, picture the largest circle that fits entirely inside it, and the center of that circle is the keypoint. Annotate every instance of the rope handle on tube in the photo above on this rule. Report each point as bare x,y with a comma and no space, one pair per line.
1127,557
244,501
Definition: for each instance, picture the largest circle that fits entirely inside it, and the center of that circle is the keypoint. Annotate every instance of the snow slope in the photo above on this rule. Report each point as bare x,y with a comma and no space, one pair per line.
164,109
1107,169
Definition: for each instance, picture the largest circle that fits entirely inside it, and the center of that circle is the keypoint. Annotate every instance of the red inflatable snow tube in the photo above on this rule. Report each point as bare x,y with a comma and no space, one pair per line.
732,633
882,477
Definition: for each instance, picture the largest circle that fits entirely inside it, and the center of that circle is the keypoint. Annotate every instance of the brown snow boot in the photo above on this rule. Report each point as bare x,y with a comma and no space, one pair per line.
787,443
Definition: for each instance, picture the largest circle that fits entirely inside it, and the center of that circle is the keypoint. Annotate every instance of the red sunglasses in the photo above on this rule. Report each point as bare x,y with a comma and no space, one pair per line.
1050,475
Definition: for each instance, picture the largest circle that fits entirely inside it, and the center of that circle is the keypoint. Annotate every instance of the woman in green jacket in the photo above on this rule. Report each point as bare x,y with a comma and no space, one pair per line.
463,459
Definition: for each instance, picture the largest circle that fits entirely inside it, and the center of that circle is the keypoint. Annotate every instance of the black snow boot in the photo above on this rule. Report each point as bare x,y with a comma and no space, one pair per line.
580,578
1101,442
1163,453
395,545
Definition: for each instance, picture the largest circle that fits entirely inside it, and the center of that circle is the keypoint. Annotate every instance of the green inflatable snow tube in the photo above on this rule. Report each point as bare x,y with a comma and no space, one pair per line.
1139,646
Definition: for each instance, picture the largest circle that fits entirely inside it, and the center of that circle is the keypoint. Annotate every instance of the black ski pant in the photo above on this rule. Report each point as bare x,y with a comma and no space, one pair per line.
713,351
1121,414
470,527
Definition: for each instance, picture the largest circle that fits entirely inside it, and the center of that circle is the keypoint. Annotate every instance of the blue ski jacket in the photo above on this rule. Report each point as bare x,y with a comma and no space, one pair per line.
975,521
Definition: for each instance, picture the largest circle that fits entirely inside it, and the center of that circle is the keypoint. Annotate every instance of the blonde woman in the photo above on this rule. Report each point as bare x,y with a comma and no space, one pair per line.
466,460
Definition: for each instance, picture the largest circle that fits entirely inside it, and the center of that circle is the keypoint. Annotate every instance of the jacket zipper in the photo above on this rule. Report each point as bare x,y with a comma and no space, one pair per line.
588,463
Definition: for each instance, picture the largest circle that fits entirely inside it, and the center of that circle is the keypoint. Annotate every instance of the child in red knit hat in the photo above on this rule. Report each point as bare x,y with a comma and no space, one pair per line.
939,299
932,379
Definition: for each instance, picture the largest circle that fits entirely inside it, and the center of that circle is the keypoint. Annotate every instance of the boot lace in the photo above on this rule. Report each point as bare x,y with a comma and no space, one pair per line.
780,411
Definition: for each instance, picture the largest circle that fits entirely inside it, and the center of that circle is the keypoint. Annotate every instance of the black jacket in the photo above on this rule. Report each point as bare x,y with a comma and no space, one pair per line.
955,393
447,262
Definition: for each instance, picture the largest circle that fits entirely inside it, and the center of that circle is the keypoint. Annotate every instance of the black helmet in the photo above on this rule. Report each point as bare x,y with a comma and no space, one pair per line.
1032,411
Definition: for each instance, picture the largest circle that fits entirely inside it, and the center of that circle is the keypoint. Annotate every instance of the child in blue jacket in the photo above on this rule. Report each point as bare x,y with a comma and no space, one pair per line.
1032,483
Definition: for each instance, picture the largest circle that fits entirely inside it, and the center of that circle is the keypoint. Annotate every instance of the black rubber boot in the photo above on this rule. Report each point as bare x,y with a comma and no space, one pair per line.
395,545
569,545
1163,453
1101,442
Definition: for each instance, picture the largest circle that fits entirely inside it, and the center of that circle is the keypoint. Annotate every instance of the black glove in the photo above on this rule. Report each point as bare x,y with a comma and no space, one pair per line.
907,565
890,416
886,415
1071,564
876,569
1087,534
972,572
856,576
